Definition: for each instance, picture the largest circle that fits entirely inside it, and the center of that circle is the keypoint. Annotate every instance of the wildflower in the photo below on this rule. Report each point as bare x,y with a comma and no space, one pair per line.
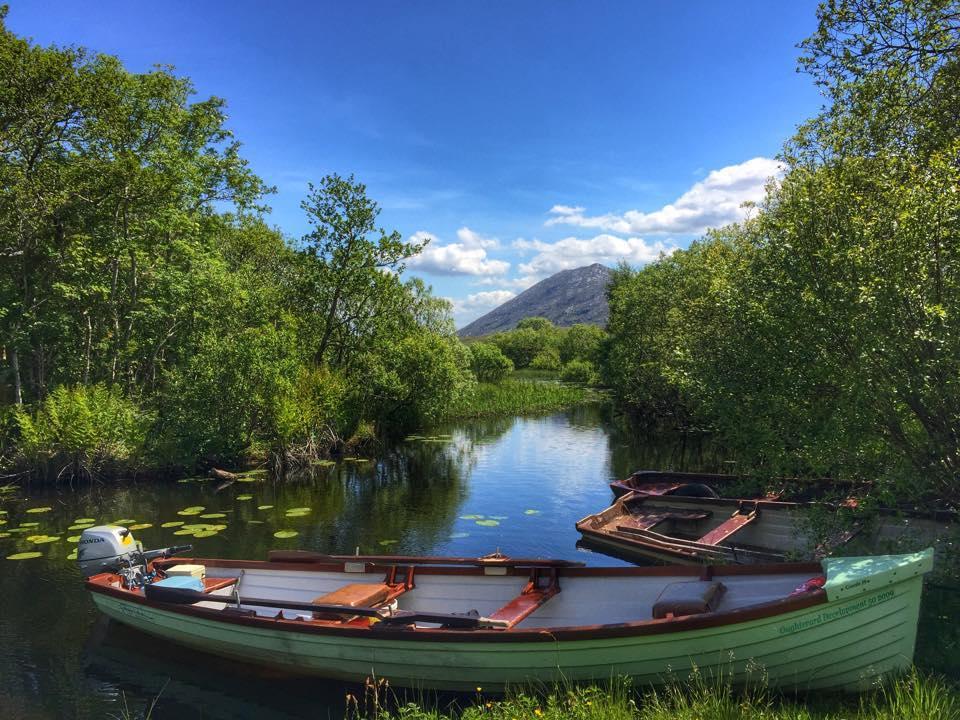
538,712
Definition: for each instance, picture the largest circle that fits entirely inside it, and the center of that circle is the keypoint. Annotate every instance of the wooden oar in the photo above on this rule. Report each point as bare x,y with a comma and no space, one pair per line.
184,596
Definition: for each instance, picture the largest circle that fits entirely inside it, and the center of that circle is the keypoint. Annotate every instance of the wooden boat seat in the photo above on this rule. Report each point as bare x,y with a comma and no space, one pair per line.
732,525
688,598
356,595
532,597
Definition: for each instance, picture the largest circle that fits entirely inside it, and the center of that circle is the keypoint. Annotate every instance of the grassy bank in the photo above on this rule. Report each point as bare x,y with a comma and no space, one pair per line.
914,697
519,397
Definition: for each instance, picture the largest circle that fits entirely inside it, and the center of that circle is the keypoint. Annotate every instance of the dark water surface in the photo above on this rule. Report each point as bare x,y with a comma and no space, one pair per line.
533,477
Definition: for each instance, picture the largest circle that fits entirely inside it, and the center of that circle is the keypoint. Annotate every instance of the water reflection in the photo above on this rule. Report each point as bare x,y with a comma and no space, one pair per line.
514,484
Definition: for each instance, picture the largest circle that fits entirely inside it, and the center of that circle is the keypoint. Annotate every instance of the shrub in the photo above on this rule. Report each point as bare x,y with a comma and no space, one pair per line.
546,359
81,431
488,363
579,371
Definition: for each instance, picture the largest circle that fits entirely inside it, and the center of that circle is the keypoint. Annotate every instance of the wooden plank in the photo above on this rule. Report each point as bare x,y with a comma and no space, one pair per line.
524,604
733,525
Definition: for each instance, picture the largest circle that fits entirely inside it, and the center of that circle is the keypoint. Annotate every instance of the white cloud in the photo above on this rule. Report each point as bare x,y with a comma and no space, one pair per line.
467,257
519,283
573,253
712,202
473,306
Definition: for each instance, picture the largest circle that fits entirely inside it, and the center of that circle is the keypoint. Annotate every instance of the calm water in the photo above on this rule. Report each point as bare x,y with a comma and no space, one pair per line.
534,477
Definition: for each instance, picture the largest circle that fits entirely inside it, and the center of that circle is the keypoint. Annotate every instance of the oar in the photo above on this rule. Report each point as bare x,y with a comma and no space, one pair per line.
185,596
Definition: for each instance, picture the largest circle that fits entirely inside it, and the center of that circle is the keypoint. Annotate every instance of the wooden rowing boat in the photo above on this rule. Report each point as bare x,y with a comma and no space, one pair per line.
684,484
459,624
676,528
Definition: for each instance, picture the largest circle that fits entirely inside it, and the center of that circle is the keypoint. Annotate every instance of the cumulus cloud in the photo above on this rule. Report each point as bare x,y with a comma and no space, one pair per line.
474,305
573,252
466,257
518,283
714,201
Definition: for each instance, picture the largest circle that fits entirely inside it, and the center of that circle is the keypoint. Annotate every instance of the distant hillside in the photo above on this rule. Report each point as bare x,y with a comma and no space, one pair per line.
567,298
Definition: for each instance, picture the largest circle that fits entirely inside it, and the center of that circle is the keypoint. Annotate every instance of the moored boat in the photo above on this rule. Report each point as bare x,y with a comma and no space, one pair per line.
460,623
676,528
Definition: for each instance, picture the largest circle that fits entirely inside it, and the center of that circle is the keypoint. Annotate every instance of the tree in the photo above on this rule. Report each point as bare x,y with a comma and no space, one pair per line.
581,341
488,363
351,269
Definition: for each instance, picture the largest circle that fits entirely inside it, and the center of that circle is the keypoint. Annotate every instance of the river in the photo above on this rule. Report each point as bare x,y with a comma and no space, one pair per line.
516,485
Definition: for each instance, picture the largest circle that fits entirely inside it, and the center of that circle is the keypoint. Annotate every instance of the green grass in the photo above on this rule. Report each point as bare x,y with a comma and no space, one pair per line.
520,397
913,697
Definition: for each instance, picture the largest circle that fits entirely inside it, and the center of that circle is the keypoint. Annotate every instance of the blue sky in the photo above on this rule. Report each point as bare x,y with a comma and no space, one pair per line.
522,138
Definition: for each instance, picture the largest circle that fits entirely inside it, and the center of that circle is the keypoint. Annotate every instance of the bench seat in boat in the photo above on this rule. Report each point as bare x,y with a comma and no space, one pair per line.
688,598
353,595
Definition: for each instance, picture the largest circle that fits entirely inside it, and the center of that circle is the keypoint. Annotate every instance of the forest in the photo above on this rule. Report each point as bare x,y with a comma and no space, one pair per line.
821,337
149,314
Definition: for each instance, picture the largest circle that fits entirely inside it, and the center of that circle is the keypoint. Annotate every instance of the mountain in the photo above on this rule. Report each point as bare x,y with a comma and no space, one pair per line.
569,297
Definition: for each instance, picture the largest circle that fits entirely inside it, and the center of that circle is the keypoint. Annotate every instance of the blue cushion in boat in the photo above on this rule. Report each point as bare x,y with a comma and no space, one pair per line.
181,581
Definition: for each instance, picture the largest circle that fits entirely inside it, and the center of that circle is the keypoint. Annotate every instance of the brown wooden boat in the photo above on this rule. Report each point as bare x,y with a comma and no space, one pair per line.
722,530
684,484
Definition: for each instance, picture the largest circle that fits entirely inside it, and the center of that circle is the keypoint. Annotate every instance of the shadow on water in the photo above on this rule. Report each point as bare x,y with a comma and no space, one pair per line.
527,479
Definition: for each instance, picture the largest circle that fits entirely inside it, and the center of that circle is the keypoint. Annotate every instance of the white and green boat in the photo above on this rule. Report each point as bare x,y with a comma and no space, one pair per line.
459,624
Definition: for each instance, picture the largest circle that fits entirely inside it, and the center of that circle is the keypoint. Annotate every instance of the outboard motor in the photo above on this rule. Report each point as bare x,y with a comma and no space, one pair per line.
111,548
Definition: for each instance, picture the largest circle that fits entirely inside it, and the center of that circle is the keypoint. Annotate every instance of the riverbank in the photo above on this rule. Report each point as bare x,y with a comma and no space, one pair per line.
914,697
515,396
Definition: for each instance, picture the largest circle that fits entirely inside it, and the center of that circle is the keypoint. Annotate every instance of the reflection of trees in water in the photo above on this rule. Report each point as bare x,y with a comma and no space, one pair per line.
412,496
633,449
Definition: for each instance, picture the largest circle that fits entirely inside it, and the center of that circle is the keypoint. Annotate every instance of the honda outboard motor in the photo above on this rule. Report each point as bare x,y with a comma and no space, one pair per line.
111,548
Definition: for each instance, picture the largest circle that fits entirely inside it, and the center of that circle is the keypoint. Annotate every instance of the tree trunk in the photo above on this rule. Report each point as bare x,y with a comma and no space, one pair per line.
17,385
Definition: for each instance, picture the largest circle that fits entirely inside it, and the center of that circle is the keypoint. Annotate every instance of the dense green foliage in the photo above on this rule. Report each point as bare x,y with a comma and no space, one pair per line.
822,336
913,697
148,315
537,344
489,364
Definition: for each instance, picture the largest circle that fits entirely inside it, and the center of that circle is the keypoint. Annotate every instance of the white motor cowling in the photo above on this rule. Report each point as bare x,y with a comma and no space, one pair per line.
107,548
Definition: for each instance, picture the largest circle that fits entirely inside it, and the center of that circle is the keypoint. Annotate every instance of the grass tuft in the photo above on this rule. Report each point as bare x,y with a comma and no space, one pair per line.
520,397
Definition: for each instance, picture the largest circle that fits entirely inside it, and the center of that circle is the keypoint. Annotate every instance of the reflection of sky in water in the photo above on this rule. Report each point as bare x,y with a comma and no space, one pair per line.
544,464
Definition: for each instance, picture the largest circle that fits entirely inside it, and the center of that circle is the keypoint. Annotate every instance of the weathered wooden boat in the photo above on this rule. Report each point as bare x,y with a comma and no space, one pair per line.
675,528
460,623
684,484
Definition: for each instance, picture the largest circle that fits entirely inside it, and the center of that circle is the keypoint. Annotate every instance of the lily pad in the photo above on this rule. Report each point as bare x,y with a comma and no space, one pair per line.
183,532
2,521
299,510
29,524
4,534
264,507
82,521
488,523
192,510
205,533
73,539
140,526
284,534
172,523
211,516
385,543
43,539
24,555
81,526
124,521
531,512
244,497
39,509
472,517
254,522
72,556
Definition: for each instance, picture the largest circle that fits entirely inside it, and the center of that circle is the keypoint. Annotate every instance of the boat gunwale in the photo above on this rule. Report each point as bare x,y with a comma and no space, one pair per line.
759,611
937,514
